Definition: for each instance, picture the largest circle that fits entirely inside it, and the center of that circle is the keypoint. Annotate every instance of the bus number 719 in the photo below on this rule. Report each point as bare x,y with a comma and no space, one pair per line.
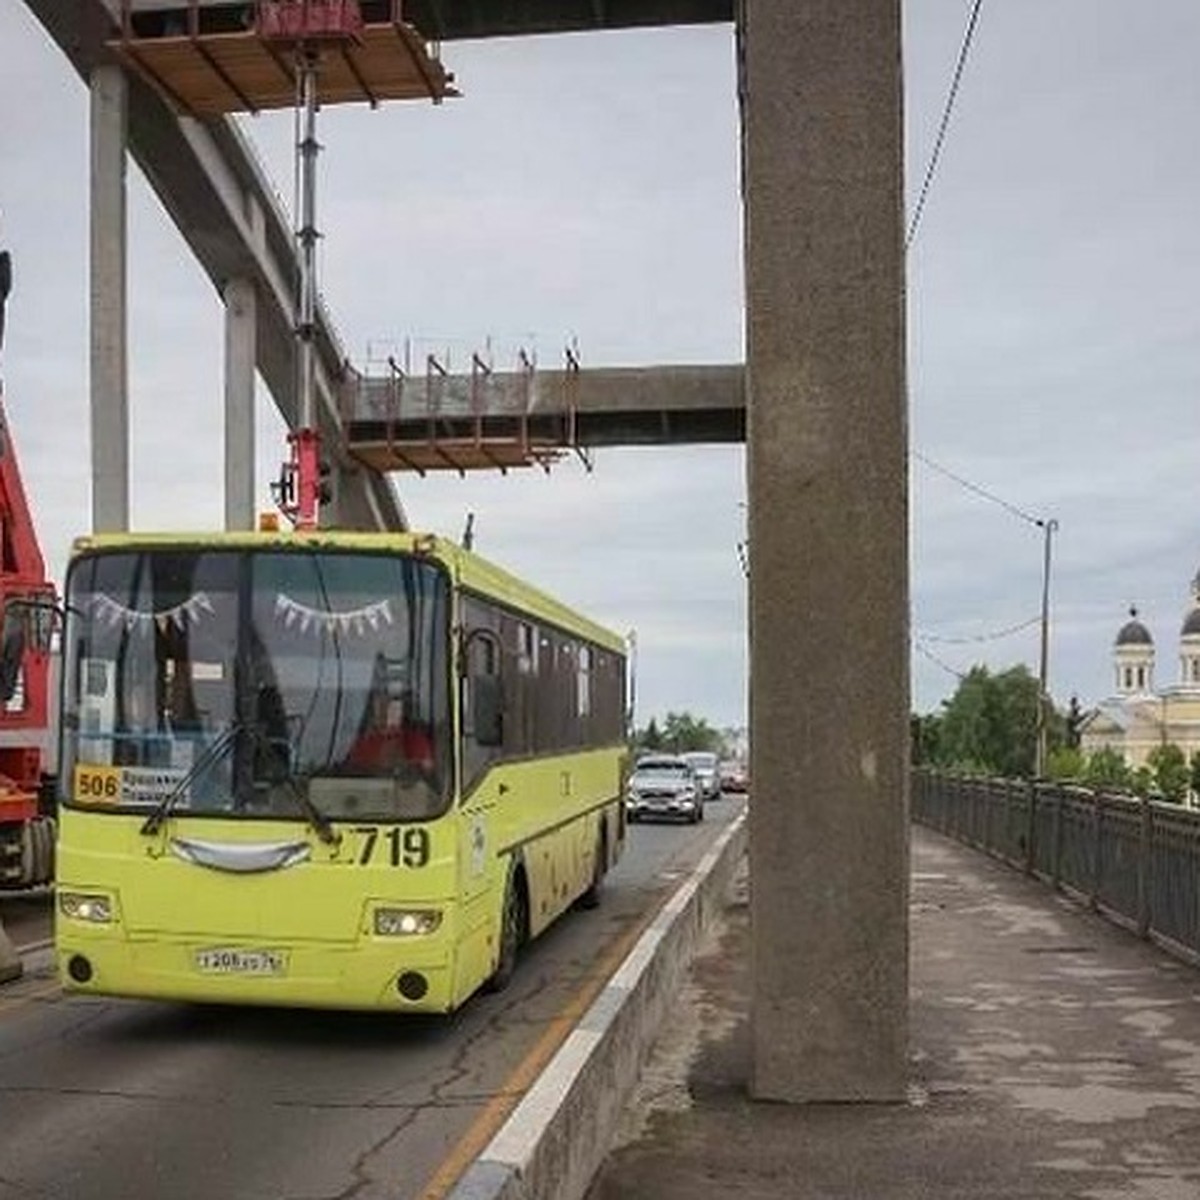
406,847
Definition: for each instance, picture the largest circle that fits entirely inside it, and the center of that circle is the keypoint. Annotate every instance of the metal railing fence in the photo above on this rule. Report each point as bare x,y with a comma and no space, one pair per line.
1135,860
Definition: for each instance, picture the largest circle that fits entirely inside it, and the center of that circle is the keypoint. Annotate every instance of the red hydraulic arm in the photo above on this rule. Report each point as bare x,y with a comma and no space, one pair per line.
22,576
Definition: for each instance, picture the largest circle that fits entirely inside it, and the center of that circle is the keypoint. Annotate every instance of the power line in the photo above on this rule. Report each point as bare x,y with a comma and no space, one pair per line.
914,223
978,490
968,37
921,648
981,637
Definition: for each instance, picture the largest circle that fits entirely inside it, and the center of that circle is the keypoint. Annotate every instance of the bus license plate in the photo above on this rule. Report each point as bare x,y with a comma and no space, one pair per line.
240,962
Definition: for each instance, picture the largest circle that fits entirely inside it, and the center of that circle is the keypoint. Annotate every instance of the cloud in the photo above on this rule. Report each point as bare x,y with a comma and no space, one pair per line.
588,187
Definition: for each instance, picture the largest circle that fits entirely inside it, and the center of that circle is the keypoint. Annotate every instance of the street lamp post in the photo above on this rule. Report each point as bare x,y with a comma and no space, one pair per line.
1049,527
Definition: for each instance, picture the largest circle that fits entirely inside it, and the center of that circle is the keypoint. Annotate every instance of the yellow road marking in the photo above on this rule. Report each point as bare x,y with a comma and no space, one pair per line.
523,1075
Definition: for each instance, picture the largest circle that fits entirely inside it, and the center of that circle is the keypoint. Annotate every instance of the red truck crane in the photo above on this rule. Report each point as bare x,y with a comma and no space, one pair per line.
27,604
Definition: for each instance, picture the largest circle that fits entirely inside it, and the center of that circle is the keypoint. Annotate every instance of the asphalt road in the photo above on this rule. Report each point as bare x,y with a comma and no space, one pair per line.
107,1099
27,916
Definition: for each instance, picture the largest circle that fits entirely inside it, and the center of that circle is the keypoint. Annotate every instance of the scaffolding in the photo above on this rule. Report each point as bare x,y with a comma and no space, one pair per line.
432,419
210,58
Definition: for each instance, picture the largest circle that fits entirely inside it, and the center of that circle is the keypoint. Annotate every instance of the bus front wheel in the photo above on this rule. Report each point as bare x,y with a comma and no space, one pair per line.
512,933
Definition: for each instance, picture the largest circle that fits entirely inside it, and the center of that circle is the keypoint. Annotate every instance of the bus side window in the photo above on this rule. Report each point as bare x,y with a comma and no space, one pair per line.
487,704
483,706
97,709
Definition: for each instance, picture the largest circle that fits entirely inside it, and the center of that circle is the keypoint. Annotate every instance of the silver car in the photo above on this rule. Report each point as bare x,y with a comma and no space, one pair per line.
706,768
664,785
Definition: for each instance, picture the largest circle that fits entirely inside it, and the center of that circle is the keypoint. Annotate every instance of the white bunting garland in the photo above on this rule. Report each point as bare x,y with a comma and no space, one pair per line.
295,615
113,614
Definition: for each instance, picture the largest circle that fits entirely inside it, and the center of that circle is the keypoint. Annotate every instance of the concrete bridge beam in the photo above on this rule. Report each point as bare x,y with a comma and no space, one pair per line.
241,319
109,299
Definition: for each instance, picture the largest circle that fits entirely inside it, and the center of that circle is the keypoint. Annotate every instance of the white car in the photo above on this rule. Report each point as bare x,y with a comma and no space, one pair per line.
705,766
664,785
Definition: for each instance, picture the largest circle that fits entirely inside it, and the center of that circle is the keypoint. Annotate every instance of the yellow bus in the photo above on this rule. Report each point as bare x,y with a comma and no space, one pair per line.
327,769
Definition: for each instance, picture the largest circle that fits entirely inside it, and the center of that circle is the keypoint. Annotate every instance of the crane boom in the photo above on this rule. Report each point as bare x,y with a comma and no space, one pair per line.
27,600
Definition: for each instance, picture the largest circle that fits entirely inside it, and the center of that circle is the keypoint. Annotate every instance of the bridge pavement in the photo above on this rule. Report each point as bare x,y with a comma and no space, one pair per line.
1051,1054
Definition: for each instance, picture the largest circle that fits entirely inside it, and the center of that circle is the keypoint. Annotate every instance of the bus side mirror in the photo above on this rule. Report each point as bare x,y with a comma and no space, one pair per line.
487,707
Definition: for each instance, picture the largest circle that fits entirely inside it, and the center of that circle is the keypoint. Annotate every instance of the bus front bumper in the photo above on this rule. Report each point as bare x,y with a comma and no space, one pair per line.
397,975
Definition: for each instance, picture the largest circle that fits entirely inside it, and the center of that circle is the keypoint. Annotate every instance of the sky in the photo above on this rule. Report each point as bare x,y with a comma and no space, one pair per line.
586,188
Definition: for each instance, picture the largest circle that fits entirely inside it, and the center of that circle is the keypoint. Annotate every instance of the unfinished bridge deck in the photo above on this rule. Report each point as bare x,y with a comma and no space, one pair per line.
462,422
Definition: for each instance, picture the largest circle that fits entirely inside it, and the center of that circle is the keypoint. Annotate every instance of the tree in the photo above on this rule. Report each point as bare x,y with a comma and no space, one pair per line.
650,738
1141,781
1065,763
679,733
1106,768
1169,769
683,732
990,723
924,736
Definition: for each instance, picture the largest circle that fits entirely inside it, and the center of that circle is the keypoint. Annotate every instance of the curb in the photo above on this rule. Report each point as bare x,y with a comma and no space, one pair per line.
19,962
11,966
558,1136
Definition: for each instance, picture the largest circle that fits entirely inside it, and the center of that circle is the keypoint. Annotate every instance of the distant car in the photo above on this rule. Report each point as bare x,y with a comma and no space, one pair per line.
734,776
664,785
705,766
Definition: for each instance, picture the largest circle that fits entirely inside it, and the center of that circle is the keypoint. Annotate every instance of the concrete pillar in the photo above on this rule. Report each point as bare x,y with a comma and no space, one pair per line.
241,318
110,376
10,961
827,443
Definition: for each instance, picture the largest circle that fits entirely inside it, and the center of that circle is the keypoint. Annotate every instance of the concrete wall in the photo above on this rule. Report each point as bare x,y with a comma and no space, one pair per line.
553,1144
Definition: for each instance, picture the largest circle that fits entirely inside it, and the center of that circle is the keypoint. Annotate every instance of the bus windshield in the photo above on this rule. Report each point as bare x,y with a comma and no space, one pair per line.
251,682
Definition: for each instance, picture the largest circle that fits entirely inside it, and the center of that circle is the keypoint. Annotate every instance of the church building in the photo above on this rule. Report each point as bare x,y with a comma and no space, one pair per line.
1139,715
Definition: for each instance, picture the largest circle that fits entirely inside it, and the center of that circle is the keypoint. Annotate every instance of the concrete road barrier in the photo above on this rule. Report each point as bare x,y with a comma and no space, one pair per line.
560,1133
10,961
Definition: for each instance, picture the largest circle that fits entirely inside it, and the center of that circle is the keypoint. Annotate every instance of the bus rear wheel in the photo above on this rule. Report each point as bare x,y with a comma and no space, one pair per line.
513,924
591,898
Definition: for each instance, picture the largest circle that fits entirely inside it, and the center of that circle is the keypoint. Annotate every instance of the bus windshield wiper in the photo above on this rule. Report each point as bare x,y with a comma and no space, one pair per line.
215,752
320,821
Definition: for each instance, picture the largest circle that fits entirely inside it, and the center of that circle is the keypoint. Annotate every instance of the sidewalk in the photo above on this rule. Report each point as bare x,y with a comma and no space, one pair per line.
1052,1055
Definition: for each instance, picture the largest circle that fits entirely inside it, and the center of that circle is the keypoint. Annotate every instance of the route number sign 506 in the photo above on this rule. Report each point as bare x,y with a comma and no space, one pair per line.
98,785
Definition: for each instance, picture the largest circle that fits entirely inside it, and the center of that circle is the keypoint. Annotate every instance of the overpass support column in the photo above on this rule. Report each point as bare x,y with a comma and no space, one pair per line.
827,446
109,370
241,319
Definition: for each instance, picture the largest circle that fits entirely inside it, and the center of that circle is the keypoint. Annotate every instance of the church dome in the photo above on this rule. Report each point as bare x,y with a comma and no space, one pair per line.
1134,633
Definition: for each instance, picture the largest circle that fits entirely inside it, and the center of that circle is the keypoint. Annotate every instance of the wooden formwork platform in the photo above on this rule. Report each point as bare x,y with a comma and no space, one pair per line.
455,454
484,420
211,74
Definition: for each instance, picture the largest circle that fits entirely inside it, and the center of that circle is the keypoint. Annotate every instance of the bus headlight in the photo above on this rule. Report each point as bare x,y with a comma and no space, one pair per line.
86,906
406,922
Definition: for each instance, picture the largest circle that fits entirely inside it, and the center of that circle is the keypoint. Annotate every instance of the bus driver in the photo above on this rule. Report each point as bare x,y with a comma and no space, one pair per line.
390,740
